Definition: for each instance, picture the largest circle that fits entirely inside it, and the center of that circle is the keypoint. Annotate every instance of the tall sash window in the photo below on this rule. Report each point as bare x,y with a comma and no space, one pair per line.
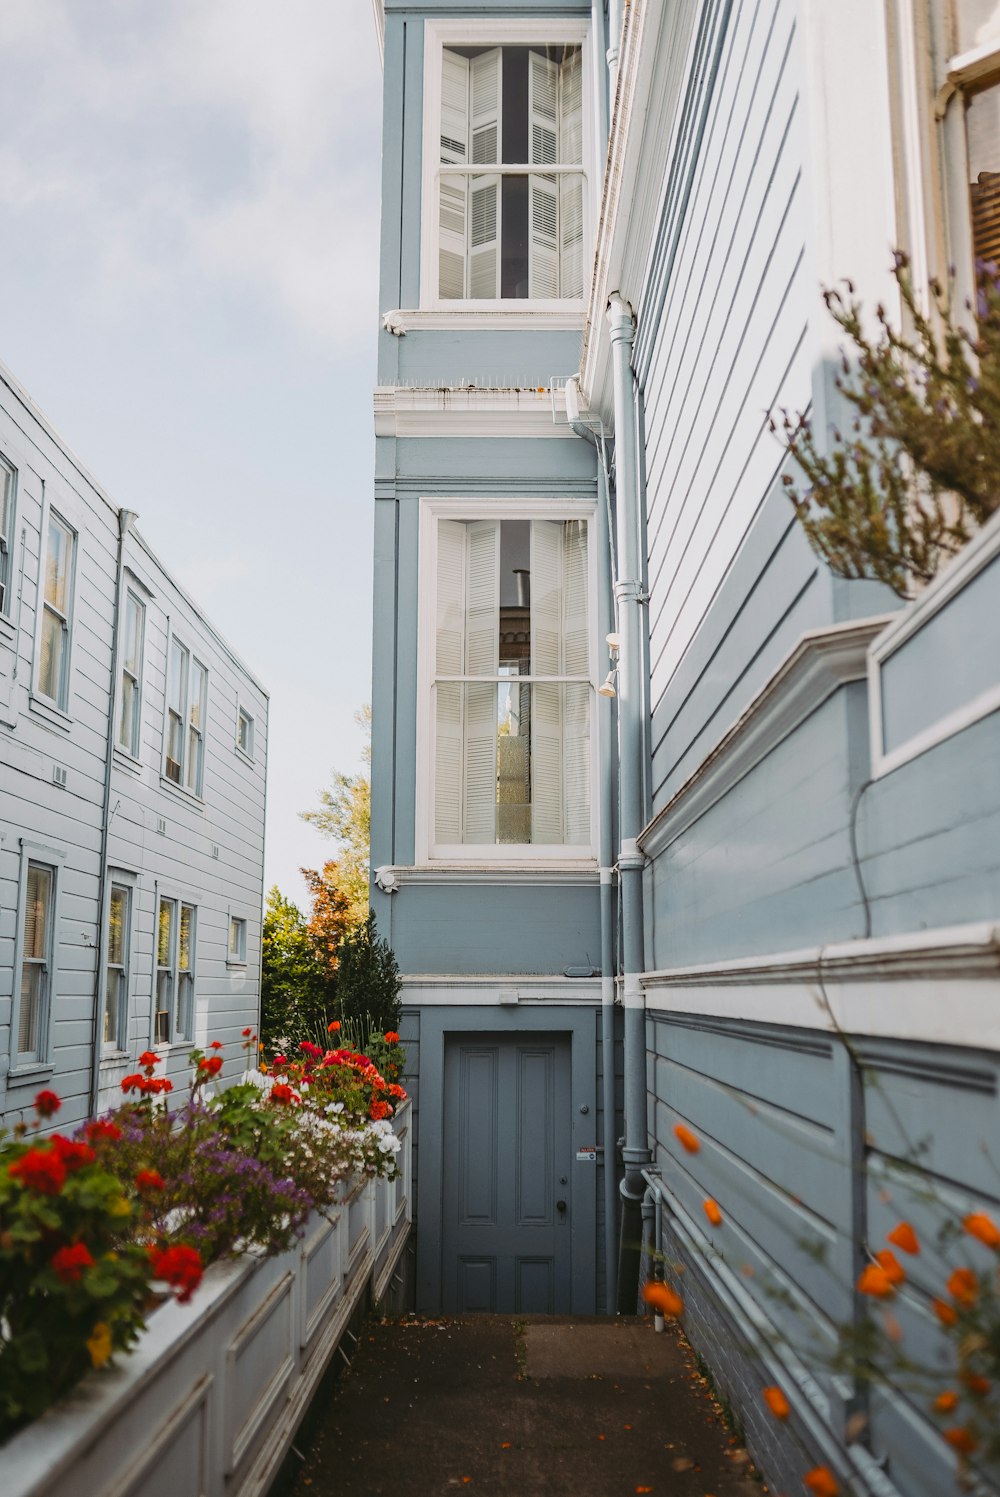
512,687
511,184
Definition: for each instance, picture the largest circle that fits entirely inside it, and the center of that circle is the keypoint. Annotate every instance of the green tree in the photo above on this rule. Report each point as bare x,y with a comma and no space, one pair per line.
344,815
367,983
296,990
919,471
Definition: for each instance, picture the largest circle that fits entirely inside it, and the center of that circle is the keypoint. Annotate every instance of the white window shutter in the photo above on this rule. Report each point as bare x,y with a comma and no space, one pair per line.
449,695
571,187
482,658
543,109
485,108
575,699
454,190
543,250
546,660
484,238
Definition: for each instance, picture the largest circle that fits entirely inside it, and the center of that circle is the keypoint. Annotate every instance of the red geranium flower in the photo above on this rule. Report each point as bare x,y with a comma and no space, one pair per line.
379,1110
281,1093
392,1037
396,1091
334,1027
246,1033
149,1058
72,1154
69,1262
211,1065
149,1180
46,1103
216,1045
102,1128
179,1266
39,1170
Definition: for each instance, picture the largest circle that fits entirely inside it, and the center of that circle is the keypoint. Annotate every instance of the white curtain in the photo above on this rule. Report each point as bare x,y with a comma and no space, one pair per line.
560,748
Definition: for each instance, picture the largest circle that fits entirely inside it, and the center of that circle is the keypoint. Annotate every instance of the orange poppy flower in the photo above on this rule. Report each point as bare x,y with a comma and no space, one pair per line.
776,1402
946,1401
904,1238
944,1312
875,1281
894,1270
979,1225
686,1138
960,1439
964,1286
821,1482
663,1298
712,1212
976,1383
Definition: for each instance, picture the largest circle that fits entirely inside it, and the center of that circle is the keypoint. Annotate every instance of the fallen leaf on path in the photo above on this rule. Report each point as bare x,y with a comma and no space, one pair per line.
682,1463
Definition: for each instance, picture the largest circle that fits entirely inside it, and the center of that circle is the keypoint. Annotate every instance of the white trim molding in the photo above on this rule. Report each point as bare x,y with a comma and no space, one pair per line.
461,875
957,575
821,662
471,990
569,319
469,411
928,985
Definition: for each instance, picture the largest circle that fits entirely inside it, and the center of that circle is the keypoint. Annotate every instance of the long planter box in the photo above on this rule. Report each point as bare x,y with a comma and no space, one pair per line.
207,1404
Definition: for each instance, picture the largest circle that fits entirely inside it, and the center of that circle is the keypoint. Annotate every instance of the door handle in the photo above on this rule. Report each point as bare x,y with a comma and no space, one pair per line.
561,1207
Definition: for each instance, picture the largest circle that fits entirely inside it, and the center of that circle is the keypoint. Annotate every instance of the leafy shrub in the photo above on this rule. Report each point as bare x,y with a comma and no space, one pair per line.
368,981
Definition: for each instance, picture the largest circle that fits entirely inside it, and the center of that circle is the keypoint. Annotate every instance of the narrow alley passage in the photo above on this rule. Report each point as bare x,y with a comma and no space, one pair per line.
515,1408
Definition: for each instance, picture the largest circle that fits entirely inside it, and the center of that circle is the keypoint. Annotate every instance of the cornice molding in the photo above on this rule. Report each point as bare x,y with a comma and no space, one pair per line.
822,661
469,411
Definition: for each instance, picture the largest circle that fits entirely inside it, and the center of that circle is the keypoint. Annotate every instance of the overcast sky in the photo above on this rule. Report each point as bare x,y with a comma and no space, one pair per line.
188,244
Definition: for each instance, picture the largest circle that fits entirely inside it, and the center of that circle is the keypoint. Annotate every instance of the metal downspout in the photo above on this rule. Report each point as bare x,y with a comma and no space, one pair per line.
125,520
630,599
608,622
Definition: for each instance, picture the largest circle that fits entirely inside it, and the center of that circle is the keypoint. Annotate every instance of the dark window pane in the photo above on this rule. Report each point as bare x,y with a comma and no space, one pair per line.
515,105
514,244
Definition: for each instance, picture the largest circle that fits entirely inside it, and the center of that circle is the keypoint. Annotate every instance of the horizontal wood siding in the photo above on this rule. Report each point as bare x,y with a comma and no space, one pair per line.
207,851
723,338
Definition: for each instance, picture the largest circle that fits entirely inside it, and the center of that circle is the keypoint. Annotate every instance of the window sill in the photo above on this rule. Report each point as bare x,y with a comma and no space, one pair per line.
242,754
557,317
125,760
8,630
237,966
30,1072
187,797
580,871
49,713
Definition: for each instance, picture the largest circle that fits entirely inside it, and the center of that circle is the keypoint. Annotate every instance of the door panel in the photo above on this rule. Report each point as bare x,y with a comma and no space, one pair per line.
506,1203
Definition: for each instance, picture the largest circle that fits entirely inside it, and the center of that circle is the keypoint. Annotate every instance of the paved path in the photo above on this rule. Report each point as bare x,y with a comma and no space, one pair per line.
515,1408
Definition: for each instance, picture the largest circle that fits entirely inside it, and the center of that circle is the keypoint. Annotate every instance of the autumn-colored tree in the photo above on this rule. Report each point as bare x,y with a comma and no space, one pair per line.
332,914
344,814
919,471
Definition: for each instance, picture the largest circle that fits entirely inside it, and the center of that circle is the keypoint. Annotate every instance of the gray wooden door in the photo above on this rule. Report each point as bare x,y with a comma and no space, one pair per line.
507,1209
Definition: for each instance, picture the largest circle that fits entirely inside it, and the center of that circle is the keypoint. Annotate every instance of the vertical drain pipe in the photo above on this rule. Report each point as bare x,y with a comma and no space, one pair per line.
630,598
608,621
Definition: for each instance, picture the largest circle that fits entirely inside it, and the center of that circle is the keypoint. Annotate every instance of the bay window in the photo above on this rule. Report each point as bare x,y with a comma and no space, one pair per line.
507,184
510,686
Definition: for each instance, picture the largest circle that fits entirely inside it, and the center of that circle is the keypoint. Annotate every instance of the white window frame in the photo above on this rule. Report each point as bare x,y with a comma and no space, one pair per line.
243,714
133,747
503,855
175,1033
118,1044
501,33
59,703
24,1063
182,784
239,923
8,471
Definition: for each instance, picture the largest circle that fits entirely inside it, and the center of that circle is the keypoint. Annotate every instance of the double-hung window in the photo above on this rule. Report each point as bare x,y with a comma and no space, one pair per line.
187,707
509,183
133,631
36,951
57,605
510,687
175,938
967,84
7,482
237,941
115,1033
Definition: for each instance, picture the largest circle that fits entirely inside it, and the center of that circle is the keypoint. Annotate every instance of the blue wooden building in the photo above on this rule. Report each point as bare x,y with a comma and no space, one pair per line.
670,824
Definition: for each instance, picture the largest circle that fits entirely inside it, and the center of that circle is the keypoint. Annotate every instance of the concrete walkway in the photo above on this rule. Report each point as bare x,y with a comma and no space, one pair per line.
515,1408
